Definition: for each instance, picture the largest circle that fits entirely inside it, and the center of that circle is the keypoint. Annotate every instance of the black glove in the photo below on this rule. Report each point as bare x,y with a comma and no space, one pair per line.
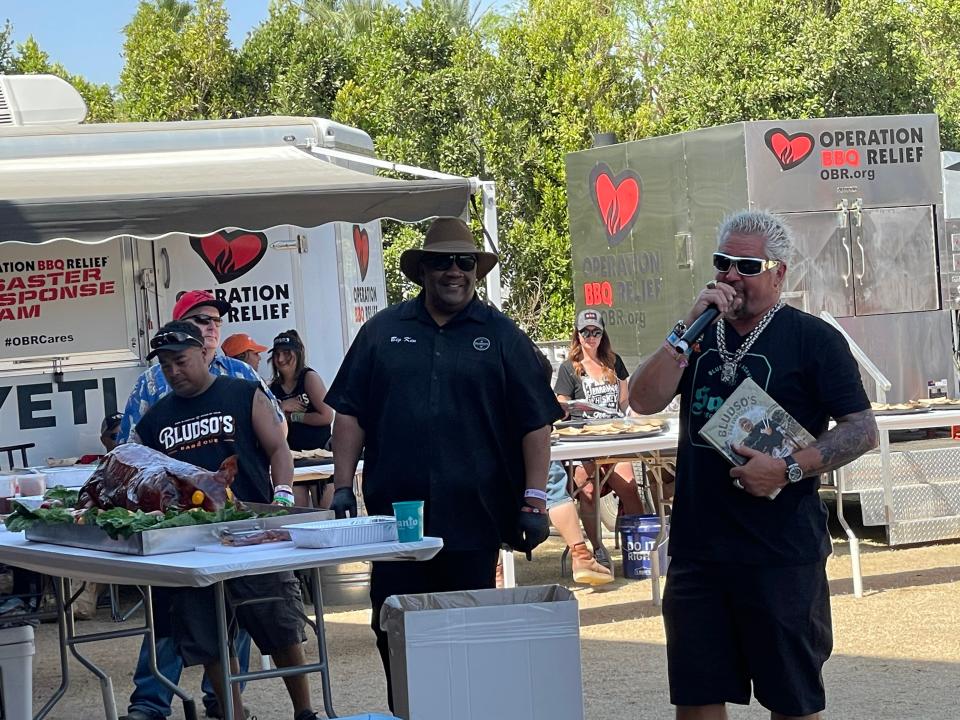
344,501
533,528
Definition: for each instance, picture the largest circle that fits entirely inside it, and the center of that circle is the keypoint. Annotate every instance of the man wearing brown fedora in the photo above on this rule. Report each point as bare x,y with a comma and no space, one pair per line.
447,399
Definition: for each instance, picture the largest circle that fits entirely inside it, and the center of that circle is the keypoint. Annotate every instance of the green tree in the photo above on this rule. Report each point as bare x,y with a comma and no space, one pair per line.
935,23
30,59
179,64
711,62
537,87
406,93
290,65
6,48
346,19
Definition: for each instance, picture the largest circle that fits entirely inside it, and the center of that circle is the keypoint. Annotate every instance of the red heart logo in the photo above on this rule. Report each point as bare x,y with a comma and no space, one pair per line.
617,198
789,150
361,243
230,253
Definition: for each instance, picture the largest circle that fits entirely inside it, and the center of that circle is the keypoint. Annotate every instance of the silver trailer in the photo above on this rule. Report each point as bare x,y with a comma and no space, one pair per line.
864,196
877,251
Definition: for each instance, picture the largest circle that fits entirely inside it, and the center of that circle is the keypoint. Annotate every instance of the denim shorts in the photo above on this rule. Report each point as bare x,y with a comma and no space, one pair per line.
557,486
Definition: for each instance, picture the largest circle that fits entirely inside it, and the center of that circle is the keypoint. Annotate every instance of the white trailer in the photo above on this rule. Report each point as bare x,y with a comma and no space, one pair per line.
103,225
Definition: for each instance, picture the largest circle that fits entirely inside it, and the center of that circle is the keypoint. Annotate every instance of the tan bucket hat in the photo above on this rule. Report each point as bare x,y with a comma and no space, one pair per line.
447,236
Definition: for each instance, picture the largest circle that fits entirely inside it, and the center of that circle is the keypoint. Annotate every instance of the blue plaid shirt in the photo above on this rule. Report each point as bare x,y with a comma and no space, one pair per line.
152,386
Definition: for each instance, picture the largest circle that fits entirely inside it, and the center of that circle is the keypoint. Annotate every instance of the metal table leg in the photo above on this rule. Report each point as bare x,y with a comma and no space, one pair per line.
322,666
69,640
106,683
59,595
189,705
321,634
223,639
840,484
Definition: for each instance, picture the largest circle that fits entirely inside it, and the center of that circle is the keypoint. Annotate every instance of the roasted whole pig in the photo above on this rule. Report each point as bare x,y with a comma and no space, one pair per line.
135,477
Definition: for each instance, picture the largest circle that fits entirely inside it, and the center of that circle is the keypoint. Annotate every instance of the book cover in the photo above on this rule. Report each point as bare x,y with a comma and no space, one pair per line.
752,418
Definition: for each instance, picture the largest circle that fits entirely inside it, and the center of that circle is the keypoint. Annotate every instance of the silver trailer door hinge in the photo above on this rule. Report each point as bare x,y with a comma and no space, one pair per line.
684,248
299,244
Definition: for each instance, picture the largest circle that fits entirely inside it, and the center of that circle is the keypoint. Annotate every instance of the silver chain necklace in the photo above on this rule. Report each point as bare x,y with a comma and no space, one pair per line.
728,374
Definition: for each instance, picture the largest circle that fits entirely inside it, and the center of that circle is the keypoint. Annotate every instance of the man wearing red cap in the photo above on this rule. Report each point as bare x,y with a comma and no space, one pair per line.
206,312
241,346
151,700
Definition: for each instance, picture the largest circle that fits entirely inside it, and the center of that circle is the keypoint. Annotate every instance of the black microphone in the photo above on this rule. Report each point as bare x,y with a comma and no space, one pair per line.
696,328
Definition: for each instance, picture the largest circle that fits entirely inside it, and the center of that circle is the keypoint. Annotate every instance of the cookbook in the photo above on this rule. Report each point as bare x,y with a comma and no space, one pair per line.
752,418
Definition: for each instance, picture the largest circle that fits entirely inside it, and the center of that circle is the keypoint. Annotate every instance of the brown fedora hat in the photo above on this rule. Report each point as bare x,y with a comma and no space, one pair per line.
447,236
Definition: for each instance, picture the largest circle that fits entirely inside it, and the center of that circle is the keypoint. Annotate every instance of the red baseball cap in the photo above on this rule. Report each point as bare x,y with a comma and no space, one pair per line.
195,298
239,343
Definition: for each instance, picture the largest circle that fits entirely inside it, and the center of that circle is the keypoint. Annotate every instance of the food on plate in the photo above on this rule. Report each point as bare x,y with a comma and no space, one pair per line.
613,427
253,537
134,477
910,405
928,402
309,454
62,462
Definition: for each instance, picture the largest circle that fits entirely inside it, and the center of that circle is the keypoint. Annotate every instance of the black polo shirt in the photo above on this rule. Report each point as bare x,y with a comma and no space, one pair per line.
444,410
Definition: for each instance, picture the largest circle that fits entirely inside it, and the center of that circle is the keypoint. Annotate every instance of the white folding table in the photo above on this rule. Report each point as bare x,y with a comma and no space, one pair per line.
187,569
605,454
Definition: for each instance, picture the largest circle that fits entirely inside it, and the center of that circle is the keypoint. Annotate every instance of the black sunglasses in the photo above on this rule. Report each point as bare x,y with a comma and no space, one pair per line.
113,436
205,319
591,333
433,261
746,266
174,338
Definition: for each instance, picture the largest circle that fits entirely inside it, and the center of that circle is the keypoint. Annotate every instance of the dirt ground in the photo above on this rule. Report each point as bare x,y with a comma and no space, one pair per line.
896,655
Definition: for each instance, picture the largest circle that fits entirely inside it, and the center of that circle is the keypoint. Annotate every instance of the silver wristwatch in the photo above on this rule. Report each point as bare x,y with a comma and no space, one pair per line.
793,473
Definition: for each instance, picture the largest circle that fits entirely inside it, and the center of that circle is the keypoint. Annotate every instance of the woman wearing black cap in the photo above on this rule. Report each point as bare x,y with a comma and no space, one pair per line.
595,373
300,391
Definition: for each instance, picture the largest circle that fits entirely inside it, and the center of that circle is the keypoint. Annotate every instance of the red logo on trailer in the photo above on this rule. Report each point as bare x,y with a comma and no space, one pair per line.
618,200
361,243
230,253
789,150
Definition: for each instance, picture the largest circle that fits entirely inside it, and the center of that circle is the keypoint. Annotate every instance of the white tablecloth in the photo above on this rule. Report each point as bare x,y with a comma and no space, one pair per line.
193,569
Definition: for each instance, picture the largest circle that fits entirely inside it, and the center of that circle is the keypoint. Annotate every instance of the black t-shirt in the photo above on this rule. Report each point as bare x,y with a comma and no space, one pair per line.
444,410
584,387
301,436
207,429
806,366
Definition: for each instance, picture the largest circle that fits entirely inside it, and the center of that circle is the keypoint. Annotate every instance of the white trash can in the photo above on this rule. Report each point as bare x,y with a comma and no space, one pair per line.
16,672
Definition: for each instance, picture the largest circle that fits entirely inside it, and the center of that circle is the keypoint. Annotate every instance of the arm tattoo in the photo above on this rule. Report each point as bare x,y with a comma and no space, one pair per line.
260,398
851,437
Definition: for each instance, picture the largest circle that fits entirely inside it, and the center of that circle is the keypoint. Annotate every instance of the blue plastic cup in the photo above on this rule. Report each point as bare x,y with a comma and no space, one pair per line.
409,516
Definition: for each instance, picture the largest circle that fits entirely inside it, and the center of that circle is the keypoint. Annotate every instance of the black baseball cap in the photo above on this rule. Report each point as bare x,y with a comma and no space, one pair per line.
174,337
284,342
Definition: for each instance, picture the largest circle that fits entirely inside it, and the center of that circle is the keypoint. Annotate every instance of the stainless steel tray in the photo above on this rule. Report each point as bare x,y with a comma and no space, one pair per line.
167,540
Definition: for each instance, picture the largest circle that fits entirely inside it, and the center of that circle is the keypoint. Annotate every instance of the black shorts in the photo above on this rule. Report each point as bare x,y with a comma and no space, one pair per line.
273,625
731,625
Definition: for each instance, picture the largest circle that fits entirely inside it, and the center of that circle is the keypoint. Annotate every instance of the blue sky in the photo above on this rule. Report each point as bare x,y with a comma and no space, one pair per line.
86,35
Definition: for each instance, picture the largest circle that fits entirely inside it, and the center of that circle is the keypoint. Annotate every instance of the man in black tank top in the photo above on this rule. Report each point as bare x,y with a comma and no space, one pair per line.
205,420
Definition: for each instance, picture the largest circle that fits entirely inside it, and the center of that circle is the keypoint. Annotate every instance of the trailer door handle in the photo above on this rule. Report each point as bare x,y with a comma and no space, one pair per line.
863,261
165,256
849,253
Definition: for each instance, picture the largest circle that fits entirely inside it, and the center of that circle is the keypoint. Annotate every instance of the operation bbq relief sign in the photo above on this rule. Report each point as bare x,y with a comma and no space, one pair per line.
60,299
806,165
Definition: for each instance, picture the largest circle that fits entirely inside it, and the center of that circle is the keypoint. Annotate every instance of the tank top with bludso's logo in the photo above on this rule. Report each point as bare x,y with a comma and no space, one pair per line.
207,429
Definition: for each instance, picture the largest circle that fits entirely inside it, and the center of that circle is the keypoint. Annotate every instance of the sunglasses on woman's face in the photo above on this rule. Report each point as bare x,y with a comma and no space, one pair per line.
597,333
746,266
433,261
